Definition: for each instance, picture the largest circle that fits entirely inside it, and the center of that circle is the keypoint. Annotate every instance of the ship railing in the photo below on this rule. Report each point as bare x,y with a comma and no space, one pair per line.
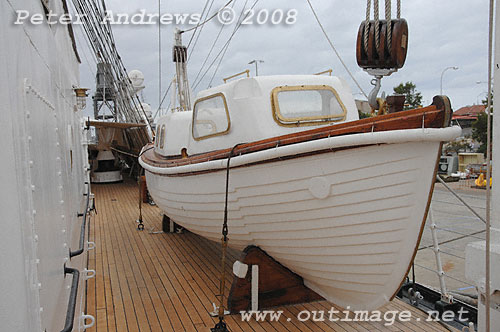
84,216
459,221
70,312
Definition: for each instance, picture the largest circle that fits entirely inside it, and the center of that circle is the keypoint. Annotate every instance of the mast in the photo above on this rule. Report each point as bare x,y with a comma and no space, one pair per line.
482,258
179,54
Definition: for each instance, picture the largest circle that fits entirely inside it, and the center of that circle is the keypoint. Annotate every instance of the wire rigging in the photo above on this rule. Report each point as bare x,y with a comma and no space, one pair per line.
235,29
163,99
97,28
223,48
335,50
209,19
201,29
92,55
209,53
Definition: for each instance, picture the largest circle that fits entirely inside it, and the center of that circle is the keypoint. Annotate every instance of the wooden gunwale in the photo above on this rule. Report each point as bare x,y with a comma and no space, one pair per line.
427,117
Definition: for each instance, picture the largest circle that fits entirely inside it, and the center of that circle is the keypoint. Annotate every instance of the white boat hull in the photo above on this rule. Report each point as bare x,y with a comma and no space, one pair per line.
347,221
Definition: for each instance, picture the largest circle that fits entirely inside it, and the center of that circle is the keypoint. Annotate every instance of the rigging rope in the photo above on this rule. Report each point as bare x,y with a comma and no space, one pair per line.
84,51
335,50
389,24
367,22
388,17
376,16
221,326
127,103
208,55
163,99
196,28
199,33
223,49
209,19
235,29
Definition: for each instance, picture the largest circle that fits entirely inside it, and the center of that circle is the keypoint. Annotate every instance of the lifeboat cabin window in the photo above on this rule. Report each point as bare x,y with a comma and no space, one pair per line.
210,117
162,136
306,105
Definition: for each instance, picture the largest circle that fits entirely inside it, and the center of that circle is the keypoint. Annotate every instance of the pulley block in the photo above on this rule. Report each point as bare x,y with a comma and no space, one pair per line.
179,54
388,54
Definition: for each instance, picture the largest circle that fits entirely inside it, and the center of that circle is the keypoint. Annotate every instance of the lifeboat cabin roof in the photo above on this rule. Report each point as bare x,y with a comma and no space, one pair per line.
251,109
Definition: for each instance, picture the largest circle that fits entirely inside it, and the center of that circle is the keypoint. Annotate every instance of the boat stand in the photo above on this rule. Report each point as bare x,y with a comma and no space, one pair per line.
169,226
261,282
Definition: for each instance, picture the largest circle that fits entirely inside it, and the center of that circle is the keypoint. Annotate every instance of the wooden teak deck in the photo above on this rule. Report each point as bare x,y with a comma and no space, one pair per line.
150,281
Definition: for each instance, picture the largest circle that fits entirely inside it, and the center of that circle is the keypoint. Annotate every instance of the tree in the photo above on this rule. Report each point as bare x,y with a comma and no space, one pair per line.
479,131
485,100
363,115
413,97
480,128
457,146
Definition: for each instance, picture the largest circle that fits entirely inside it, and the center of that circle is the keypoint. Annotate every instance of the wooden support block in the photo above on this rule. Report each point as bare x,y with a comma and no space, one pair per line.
277,284
169,226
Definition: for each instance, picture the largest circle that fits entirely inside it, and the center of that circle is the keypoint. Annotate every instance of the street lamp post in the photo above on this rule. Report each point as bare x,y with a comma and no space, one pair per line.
442,74
484,92
479,95
256,66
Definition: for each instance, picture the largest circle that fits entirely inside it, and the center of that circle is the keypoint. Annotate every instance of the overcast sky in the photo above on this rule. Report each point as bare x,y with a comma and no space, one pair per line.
441,34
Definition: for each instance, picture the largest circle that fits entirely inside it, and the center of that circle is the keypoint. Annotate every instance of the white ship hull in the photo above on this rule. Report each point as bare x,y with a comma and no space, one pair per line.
347,221
43,172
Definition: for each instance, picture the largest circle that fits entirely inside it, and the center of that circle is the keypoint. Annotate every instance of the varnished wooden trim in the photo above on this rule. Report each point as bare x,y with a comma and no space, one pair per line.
428,117
272,160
